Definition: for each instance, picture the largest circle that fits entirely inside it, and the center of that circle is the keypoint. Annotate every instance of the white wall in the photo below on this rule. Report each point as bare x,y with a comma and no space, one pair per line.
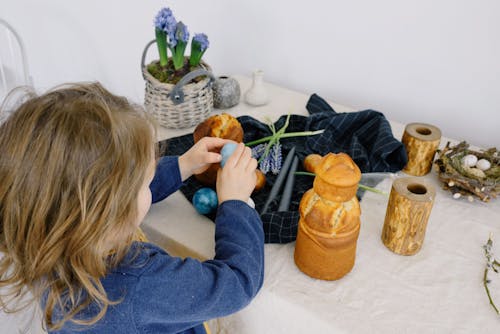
432,61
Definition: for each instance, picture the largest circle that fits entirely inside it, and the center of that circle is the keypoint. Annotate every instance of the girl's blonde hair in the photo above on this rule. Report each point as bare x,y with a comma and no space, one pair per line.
72,162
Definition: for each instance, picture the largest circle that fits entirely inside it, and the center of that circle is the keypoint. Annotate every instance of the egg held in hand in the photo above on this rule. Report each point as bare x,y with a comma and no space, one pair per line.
205,200
221,126
226,152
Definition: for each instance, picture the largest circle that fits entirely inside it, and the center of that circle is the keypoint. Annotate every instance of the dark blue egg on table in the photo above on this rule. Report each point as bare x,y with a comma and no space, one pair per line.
205,200
226,152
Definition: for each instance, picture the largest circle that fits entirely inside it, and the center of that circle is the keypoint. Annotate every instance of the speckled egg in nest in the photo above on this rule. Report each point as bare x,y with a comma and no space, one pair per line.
469,173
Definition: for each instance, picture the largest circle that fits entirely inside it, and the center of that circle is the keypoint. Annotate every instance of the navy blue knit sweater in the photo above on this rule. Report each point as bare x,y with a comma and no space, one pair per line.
165,294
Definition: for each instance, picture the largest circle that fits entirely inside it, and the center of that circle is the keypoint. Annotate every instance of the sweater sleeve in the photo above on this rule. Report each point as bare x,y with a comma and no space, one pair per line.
173,294
167,178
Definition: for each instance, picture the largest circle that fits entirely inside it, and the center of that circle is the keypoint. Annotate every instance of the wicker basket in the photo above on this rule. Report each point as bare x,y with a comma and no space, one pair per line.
182,105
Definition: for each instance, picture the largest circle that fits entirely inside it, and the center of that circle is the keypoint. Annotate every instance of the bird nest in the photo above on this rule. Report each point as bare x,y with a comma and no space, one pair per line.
466,179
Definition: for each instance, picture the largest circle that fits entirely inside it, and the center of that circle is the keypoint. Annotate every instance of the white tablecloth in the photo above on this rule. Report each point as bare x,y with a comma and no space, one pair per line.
438,290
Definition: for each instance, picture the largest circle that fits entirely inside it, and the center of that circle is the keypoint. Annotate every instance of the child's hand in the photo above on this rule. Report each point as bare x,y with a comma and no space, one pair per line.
237,179
199,157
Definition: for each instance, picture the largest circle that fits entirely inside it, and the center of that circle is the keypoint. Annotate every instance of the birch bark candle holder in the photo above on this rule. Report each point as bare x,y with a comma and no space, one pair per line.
408,211
421,142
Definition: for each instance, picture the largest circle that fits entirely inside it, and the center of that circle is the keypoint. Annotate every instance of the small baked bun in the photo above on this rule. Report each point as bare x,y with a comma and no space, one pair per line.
311,161
261,180
337,177
222,126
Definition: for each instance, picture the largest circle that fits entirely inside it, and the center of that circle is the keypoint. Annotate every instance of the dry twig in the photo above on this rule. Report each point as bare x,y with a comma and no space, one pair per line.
460,181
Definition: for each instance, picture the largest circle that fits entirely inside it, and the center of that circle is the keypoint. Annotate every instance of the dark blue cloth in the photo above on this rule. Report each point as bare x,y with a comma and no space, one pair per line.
365,135
166,294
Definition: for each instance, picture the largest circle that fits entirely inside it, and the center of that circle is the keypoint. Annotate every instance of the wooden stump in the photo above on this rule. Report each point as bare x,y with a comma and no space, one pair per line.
408,211
421,142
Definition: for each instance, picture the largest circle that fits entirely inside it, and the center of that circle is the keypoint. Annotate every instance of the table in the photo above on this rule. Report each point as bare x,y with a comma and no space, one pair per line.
194,237
438,290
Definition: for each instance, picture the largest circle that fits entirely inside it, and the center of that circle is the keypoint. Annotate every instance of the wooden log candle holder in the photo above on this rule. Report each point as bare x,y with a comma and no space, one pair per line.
408,211
421,142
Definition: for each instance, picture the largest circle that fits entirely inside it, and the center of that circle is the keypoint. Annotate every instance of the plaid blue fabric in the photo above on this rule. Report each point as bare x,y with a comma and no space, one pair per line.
365,135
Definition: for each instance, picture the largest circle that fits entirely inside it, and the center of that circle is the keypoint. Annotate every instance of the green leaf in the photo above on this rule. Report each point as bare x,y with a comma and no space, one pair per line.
161,43
196,54
178,55
285,135
362,186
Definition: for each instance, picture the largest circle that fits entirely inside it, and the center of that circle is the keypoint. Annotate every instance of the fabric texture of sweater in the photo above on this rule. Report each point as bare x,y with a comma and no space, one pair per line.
160,293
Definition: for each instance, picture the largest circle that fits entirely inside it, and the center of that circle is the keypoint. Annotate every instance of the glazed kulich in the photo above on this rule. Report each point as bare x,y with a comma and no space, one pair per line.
326,238
331,207
329,220
337,177
222,126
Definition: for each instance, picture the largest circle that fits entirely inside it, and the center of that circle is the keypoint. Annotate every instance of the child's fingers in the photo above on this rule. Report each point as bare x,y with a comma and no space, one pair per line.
252,165
214,142
235,157
245,157
211,157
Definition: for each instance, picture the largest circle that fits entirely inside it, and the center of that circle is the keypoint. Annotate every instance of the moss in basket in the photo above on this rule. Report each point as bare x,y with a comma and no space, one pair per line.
167,74
174,36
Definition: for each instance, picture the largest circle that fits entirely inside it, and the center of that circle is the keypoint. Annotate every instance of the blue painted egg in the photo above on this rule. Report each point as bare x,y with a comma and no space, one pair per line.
226,152
205,200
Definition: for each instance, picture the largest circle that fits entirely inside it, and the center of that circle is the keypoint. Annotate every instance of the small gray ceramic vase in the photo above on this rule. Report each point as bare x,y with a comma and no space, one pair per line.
226,92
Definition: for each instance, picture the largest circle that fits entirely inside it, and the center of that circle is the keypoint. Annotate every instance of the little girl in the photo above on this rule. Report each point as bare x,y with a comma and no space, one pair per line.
78,174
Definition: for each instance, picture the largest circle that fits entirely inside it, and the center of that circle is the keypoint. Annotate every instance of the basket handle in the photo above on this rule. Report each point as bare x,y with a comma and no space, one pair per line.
144,53
177,94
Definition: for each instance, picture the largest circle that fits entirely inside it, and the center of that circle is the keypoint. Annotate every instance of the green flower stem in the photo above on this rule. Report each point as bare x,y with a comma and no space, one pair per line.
494,266
485,283
362,186
196,54
493,263
375,190
195,59
178,55
285,135
161,43
305,173
275,137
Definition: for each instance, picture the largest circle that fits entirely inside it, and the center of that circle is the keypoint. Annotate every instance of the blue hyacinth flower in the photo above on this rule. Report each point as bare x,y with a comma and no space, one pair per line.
181,32
202,40
165,21
275,158
258,150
